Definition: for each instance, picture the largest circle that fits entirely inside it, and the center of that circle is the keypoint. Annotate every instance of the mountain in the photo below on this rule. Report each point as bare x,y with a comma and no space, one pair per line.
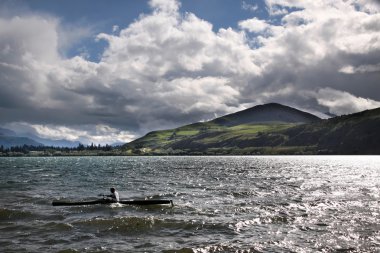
9,138
12,141
222,135
356,133
268,113
267,129
54,143
7,132
345,135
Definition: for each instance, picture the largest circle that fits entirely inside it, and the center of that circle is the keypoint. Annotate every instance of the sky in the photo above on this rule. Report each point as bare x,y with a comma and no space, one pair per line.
105,72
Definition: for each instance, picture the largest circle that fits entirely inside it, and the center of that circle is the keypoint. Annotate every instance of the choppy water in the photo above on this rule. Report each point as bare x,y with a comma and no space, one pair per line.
222,204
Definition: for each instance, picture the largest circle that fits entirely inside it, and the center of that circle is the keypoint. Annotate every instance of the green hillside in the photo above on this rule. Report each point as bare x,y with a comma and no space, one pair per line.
350,134
221,135
282,131
197,140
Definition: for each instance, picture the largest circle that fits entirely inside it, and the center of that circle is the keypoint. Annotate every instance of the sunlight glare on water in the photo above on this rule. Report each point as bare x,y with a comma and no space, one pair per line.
222,204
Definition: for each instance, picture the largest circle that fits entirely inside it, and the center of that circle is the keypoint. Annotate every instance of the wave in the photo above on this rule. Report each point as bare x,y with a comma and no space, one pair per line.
57,226
167,195
144,225
224,247
10,214
35,170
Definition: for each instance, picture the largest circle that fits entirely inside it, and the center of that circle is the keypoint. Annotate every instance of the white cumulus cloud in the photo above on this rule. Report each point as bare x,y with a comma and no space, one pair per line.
341,102
254,25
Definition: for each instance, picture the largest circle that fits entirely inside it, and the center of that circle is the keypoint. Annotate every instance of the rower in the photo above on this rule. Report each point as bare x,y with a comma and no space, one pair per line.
114,195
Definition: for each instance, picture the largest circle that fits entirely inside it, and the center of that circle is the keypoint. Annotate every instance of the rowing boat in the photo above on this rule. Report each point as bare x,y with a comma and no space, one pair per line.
141,202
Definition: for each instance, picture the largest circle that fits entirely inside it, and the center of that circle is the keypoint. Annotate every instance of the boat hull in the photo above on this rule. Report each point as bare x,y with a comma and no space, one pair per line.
142,202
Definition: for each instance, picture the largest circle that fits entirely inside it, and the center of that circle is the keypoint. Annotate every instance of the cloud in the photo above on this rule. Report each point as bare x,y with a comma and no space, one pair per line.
169,68
30,35
165,6
87,134
162,70
249,7
341,102
27,44
254,25
370,6
179,65
360,69
115,28
315,43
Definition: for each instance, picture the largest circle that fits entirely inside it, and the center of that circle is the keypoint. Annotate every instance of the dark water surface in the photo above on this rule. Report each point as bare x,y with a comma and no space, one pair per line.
222,204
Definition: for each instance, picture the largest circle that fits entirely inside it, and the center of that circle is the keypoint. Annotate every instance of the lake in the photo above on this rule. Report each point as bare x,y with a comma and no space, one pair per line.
221,204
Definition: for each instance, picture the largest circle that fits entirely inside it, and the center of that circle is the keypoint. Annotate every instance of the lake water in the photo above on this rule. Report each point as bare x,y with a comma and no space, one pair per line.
222,204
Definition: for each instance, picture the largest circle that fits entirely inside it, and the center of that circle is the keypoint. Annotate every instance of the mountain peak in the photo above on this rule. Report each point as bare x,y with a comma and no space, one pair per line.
267,113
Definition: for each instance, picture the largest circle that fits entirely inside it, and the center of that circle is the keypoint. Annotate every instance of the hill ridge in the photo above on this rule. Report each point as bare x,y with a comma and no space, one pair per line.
271,112
347,134
241,124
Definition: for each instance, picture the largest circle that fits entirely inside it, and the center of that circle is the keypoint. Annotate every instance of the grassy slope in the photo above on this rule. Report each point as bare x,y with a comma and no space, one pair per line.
200,137
228,131
351,134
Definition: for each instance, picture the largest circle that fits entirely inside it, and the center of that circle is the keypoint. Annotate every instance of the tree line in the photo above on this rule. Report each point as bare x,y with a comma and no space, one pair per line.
25,149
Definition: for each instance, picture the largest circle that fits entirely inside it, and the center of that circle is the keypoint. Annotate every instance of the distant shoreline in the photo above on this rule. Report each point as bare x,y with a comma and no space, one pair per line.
123,153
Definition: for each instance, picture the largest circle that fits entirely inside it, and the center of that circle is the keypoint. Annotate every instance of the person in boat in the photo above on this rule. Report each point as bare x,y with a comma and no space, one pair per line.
114,195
